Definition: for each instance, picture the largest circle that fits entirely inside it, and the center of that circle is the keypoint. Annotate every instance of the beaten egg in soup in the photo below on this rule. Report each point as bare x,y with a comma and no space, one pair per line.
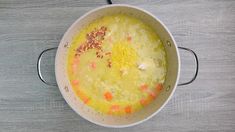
116,64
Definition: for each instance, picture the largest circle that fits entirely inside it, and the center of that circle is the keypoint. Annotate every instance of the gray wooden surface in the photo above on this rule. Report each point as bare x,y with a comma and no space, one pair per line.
29,26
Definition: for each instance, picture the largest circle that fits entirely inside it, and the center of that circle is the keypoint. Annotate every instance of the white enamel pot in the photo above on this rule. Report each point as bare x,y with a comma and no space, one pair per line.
169,86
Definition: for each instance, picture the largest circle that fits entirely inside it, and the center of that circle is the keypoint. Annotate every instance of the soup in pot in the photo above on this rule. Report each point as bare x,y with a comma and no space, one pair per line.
116,64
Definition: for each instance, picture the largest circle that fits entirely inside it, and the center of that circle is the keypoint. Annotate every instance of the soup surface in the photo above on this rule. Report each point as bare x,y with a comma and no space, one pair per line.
116,64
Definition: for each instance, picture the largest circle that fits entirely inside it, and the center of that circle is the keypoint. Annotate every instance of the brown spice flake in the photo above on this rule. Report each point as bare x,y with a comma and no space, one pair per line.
108,53
94,40
109,63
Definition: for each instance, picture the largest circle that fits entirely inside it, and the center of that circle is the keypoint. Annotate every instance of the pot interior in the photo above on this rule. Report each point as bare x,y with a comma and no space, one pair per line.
127,120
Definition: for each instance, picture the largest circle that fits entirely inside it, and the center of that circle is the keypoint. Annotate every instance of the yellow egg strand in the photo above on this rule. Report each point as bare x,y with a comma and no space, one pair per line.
123,55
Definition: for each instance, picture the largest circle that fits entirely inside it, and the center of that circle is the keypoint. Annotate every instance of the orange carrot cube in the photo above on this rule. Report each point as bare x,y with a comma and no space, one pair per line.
159,87
108,96
86,100
152,94
128,109
93,65
115,108
129,38
143,87
75,82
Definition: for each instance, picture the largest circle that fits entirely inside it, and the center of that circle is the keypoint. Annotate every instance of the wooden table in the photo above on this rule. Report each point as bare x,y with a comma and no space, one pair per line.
29,26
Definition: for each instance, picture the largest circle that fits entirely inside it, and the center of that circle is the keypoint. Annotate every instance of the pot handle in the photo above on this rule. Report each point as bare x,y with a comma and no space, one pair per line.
39,67
196,67
54,84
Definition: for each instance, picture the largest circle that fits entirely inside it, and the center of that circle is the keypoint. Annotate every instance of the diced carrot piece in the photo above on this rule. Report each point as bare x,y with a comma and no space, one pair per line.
143,102
82,96
128,109
74,67
152,94
75,82
86,100
129,38
75,64
146,101
108,96
93,65
115,108
159,87
143,87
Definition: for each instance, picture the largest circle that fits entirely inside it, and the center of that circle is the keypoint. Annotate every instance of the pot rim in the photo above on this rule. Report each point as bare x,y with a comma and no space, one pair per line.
154,113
